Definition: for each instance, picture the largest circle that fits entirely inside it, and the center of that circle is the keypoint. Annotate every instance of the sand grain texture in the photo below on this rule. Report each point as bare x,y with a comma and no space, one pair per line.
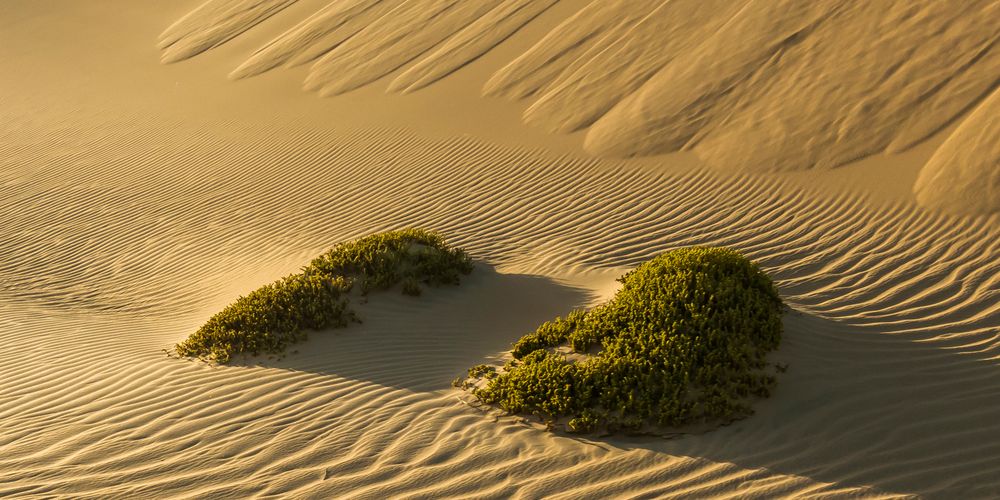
134,211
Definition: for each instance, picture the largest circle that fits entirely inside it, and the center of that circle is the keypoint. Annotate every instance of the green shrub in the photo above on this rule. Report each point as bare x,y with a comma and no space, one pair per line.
685,340
270,318
586,422
382,260
483,371
550,334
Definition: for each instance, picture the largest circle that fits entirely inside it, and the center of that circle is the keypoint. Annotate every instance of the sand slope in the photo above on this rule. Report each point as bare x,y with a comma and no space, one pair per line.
963,175
749,85
131,212
212,24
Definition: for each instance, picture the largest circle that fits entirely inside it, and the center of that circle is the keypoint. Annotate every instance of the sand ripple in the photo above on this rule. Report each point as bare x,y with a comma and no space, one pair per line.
893,346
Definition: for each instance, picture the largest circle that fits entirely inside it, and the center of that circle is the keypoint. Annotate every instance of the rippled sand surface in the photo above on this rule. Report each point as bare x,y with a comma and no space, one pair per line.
138,198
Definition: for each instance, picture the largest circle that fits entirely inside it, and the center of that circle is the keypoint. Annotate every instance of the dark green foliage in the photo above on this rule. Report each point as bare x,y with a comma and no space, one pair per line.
411,287
382,260
586,422
483,371
270,318
550,334
683,341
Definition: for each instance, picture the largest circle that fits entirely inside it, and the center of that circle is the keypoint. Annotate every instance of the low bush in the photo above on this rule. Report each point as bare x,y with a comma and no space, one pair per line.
274,316
684,340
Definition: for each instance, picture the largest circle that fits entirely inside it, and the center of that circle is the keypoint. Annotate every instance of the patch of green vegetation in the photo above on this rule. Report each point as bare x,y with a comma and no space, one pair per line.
483,371
684,341
274,316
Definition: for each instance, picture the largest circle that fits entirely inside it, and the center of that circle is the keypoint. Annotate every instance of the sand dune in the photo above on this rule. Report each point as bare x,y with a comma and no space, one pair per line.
624,60
474,40
316,35
749,85
790,85
395,39
132,212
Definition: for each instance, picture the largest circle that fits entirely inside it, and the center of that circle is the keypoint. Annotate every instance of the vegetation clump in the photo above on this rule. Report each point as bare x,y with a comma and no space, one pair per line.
270,318
684,340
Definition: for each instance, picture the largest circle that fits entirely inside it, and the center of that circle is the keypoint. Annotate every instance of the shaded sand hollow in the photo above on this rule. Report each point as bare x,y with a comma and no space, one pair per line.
848,146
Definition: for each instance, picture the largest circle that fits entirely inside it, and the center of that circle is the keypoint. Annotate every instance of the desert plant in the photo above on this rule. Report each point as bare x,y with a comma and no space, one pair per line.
274,316
684,340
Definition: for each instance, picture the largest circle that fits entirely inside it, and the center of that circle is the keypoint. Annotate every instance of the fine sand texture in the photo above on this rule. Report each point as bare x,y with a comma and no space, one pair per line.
159,159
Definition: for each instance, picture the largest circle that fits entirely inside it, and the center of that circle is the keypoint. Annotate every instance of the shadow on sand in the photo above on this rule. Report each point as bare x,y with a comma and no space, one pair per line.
423,343
862,409
857,408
